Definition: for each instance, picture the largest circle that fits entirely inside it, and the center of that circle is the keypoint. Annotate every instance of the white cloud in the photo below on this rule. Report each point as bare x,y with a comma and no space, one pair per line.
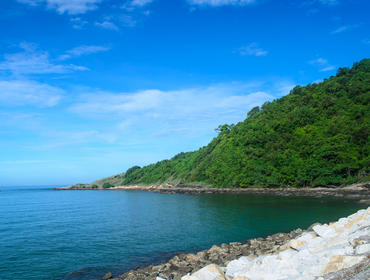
107,25
33,61
221,2
21,93
320,2
252,49
140,3
83,50
327,68
179,112
323,64
66,6
127,20
78,23
345,28
320,61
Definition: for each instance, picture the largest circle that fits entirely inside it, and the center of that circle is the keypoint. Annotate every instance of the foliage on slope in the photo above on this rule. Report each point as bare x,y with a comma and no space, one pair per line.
104,183
316,135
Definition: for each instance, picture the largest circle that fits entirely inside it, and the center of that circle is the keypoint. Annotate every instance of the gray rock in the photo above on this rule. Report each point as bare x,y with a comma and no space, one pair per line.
107,276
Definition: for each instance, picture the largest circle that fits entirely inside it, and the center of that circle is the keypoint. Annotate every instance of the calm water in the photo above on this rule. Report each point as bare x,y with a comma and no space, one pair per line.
46,234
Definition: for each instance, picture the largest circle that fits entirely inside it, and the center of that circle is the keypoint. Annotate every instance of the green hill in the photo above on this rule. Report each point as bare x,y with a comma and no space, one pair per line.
316,135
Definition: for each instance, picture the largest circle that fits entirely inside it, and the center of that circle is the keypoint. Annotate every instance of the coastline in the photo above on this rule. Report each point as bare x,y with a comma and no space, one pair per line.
360,191
340,250
182,266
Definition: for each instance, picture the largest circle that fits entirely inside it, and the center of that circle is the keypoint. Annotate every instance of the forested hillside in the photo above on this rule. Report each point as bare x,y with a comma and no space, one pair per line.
316,135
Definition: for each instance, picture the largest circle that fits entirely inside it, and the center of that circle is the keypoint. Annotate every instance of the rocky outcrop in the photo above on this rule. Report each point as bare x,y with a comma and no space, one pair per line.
317,254
183,264
359,191
335,251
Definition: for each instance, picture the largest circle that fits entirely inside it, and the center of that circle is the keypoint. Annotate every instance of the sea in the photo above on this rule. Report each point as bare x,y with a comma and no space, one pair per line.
74,235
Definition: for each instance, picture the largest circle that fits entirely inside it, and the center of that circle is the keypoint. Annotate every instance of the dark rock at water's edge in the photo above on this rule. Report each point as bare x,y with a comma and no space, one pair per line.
107,276
360,191
182,264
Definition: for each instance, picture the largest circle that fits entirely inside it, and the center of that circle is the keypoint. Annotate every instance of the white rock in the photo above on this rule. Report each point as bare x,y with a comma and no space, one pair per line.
327,249
341,262
287,254
238,265
324,231
210,272
363,249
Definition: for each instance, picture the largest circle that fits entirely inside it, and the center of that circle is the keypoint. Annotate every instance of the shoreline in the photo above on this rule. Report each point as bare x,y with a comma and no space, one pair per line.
360,191
339,250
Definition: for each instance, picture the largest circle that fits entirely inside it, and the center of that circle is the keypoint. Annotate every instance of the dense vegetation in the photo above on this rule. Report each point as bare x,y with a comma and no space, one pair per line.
104,183
316,135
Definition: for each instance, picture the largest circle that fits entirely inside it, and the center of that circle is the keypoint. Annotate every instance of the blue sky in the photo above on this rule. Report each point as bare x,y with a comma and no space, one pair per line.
89,88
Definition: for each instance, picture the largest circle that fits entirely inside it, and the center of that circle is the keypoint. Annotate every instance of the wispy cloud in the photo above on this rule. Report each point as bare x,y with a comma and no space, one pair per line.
221,2
22,93
78,23
34,61
83,50
127,20
106,24
71,7
345,28
158,112
320,2
252,49
323,64
140,3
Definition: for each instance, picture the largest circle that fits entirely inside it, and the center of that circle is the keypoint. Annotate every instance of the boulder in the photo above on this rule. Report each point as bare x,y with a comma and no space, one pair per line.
297,244
363,249
107,276
210,272
324,231
337,263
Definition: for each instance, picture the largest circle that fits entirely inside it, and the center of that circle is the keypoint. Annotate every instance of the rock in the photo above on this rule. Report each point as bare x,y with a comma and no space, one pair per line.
360,240
159,278
350,224
362,249
210,272
297,244
107,276
310,228
295,255
324,231
337,263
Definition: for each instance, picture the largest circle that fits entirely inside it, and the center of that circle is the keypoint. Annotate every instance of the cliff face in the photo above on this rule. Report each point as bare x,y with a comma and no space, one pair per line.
316,135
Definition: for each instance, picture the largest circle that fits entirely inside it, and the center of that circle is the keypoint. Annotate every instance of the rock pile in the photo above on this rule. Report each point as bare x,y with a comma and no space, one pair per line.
317,254
340,250
182,264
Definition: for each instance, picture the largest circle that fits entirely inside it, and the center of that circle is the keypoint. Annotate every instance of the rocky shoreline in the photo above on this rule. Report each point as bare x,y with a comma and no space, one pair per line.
360,191
182,264
340,250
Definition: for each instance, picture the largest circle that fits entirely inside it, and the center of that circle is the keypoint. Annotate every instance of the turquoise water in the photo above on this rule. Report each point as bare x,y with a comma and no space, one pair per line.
46,234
